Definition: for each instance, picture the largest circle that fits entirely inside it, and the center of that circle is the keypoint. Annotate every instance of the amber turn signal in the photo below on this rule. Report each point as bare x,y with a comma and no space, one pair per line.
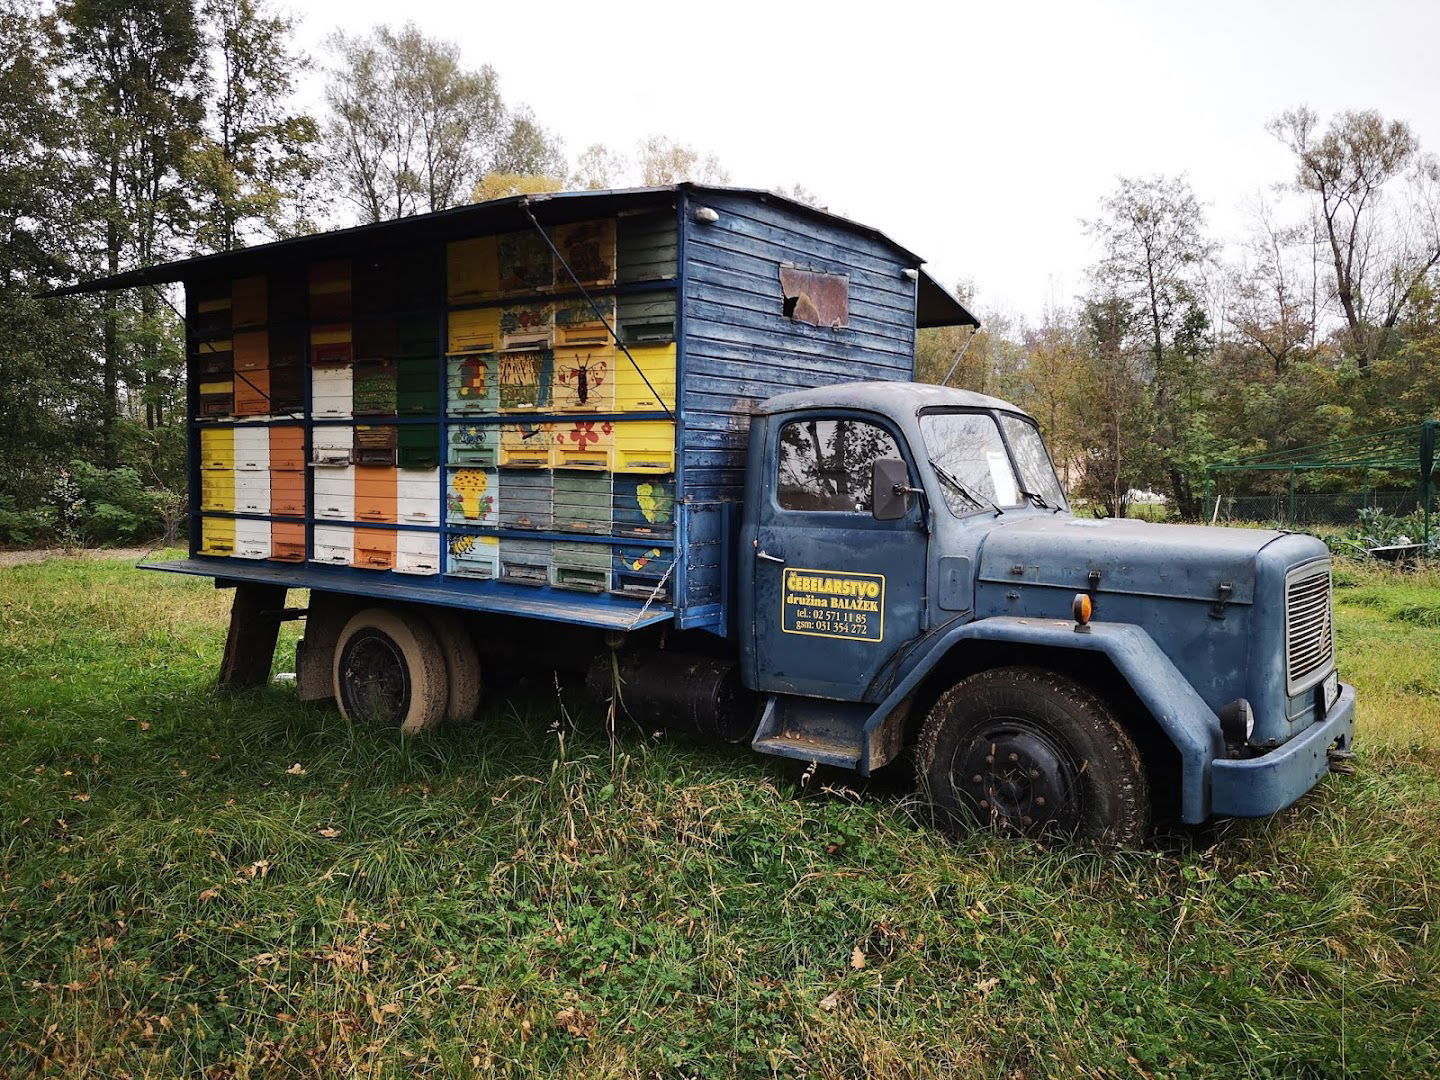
1081,608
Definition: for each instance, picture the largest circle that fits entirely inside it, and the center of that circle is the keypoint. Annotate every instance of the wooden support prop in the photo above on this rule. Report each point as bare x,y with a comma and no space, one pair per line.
254,629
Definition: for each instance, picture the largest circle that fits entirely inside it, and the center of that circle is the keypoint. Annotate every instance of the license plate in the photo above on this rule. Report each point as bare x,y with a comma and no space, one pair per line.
1332,689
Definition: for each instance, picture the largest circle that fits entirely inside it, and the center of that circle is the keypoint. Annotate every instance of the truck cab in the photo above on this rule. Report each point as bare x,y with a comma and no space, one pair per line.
911,575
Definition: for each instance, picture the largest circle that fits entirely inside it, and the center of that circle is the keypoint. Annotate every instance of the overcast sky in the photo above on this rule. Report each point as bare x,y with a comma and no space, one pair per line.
977,135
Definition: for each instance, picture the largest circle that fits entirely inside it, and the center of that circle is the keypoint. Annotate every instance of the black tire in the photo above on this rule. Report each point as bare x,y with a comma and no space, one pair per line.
389,669
1027,751
462,663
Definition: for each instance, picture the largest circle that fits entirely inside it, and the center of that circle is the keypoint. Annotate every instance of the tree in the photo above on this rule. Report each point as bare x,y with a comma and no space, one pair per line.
410,130
255,173
1268,303
1379,262
499,185
598,168
48,393
1115,448
1154,254
136,76
663,161
528,149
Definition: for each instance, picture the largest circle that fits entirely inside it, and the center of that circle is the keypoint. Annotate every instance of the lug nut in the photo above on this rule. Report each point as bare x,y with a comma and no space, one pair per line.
984,805
1025,820
976,779
1040,800
1014,757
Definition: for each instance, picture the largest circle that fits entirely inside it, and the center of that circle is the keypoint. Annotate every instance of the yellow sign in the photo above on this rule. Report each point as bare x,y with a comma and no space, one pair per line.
833,604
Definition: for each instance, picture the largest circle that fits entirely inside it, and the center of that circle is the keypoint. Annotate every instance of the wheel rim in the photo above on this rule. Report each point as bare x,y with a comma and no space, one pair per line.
374,679
1016,776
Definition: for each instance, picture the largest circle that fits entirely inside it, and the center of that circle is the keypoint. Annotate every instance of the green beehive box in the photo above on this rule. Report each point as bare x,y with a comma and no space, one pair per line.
418,446
417,386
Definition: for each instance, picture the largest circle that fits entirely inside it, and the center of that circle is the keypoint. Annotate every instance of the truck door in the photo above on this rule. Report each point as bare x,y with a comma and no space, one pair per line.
833,592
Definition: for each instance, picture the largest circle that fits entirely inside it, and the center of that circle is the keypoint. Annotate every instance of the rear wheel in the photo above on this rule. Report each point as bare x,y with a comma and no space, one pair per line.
462,663
1027,751
389,669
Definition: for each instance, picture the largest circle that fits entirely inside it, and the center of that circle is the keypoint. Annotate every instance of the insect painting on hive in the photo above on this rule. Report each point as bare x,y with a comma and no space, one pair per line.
589,250
582,377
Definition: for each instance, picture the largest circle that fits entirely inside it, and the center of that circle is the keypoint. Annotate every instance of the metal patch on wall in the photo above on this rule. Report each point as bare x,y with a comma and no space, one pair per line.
833,604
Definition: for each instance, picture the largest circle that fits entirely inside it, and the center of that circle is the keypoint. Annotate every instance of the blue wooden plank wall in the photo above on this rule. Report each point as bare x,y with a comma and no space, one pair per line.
740,348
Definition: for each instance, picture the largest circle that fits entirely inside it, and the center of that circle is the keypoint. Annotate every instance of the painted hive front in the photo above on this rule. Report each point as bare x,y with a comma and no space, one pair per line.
458,412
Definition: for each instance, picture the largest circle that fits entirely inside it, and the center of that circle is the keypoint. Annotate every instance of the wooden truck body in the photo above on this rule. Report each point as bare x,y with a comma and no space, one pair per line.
536,406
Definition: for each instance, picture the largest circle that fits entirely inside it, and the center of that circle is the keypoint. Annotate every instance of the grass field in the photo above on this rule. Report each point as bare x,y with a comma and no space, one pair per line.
193,883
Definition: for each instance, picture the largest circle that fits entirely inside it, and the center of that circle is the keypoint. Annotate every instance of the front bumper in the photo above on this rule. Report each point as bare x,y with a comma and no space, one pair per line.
1255,787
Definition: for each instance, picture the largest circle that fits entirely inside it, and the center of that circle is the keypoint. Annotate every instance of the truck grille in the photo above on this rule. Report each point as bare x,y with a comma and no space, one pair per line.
1309,638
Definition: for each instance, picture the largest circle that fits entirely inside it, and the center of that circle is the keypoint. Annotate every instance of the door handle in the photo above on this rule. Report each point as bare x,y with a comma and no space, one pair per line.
762,554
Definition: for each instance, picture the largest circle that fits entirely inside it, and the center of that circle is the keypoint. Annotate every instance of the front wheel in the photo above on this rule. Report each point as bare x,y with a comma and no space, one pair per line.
390,670
1028,751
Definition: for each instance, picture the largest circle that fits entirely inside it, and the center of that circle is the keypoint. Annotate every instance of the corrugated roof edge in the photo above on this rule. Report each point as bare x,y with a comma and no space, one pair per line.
936,306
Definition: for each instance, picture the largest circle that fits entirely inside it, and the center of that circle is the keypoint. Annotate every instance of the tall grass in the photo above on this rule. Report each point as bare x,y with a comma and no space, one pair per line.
201,883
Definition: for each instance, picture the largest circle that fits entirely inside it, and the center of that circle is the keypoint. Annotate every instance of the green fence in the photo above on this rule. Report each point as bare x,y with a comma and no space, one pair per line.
1391,470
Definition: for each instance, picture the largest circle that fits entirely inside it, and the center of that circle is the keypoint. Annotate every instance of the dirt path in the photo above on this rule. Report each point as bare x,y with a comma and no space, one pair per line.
20,558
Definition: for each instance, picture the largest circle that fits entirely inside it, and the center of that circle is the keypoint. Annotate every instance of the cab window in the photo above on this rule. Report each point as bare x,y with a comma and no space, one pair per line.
826,464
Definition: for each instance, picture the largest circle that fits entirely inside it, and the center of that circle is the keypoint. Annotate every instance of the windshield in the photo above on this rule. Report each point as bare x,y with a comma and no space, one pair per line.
1037,473
968,447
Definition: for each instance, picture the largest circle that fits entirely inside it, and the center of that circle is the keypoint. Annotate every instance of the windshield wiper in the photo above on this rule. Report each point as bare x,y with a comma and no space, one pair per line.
1038,500
950,481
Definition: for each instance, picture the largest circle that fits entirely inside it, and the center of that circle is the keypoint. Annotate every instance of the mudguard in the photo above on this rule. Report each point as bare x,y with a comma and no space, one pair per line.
1179,711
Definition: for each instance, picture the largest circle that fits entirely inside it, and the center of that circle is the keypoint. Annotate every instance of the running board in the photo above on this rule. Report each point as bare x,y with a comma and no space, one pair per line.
812,729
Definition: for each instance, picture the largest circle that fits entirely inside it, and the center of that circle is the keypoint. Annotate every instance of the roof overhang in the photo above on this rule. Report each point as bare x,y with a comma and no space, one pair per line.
935,306
477,219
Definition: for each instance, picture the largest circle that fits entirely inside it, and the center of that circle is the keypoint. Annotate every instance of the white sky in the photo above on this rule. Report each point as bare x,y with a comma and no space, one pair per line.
978,135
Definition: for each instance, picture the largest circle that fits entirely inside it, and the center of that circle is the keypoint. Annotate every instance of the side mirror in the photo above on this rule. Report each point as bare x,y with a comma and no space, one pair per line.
889,489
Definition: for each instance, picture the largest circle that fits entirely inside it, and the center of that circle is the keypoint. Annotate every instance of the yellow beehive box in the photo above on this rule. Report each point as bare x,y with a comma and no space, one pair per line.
645,380
474,330
217,448
583,444
217,536
217,490
472,270
526,446
645,446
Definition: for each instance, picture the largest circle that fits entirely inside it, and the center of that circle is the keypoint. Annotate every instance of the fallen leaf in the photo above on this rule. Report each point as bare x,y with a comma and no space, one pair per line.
329,833
209,894
576,1022
144,725
857,958
296,770
986,985
80,796
829,1002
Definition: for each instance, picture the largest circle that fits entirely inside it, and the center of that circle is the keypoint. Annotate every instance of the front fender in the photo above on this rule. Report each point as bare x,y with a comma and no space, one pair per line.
1173,703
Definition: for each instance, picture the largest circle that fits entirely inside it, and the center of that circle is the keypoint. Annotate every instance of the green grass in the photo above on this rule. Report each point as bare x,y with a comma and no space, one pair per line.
522,897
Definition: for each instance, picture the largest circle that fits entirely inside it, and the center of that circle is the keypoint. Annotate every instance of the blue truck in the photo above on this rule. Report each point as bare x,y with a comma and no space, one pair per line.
667,439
